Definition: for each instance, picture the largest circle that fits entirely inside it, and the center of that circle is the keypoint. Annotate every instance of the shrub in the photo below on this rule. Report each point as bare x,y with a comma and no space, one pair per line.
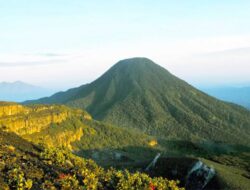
68,172
17,179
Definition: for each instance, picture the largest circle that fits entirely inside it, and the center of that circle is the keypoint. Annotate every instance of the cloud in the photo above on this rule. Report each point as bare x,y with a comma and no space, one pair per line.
32,63
52,54
217,67
18,60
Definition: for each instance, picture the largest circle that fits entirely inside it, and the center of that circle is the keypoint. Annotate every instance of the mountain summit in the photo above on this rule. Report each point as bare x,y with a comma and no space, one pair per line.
140,94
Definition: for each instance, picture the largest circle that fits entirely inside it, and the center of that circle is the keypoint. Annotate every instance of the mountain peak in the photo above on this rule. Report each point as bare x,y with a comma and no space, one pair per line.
141,62
137,69
136,60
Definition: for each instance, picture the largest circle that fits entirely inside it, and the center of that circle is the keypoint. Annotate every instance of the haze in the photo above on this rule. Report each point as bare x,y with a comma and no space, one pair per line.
61,44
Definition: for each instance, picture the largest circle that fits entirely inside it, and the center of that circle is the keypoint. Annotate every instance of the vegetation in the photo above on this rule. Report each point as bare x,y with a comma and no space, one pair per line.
57,125
76,130
230,177
25,166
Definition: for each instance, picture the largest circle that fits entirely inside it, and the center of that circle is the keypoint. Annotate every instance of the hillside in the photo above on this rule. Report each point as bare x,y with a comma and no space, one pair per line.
60,126
137,93
19,91
26,166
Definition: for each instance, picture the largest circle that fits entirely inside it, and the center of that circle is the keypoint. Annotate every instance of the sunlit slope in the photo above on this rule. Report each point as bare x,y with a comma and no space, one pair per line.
61,126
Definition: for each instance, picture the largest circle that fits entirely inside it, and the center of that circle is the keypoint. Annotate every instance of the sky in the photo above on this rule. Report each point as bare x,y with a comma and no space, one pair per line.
60,44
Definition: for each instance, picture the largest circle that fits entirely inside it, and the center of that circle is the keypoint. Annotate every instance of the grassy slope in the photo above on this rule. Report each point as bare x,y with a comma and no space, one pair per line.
230,177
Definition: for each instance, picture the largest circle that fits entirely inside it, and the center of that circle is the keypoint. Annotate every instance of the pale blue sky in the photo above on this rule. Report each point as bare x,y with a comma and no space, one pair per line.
69,42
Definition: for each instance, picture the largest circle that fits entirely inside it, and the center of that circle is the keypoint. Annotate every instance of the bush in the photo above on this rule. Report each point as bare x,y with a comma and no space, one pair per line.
63,170
17,179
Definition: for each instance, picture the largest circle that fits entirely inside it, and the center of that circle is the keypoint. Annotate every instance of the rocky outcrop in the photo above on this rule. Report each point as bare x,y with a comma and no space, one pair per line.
152,164
38,120
192,173
10,109
199,176
28,124
27,120
63,138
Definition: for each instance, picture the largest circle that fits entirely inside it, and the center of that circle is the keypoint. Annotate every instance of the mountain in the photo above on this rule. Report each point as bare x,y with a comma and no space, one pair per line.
19,91
138,93
240,95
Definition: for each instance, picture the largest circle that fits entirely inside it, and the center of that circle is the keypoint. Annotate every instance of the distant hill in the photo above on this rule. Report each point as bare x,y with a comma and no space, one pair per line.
239,95
138,93
19,91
